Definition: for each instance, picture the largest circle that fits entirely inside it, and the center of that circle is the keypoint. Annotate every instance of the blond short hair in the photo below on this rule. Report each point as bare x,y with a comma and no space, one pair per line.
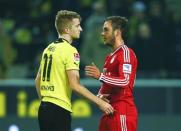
63,19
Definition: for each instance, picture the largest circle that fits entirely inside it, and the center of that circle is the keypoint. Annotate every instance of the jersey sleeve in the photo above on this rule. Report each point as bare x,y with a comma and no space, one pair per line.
72,60
124,68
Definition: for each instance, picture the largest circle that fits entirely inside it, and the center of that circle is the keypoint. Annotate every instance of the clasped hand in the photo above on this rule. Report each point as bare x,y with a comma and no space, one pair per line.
92,71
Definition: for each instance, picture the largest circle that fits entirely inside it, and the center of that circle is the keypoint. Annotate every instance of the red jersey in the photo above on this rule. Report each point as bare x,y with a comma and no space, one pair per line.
118,78
119,74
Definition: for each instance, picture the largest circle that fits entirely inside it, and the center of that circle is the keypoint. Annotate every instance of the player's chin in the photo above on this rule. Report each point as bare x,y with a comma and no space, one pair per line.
77,37
106,43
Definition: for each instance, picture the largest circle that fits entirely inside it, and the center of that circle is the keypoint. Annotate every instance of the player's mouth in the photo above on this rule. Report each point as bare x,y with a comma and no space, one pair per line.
104,39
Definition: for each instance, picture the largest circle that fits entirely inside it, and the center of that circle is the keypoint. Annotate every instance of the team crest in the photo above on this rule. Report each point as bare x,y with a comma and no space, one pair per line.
104,70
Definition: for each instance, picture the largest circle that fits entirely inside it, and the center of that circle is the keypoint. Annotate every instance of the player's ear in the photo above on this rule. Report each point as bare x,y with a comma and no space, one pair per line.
66,30
117,32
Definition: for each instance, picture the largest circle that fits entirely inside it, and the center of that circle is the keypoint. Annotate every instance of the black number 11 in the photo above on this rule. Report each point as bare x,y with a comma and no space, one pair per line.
47,70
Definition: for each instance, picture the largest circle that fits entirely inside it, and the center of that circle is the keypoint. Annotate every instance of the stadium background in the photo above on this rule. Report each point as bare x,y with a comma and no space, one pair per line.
26,27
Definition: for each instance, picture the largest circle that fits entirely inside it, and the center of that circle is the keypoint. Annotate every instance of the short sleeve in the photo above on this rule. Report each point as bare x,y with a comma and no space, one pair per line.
72,60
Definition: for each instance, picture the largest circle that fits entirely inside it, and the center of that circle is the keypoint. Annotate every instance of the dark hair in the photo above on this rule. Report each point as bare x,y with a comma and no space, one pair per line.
63,19
118,22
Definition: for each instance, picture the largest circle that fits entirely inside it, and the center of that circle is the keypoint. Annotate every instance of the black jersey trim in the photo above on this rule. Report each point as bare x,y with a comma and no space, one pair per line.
59,40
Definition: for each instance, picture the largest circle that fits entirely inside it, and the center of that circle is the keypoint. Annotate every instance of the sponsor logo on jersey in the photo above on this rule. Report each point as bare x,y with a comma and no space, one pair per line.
48,88
76,57
127,68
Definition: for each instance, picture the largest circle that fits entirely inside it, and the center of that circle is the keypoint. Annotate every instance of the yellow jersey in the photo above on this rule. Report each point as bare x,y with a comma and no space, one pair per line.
57,58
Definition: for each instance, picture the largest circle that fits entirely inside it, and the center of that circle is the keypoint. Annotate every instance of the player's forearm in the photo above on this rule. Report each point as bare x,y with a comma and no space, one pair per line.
115,81
74,82
81,90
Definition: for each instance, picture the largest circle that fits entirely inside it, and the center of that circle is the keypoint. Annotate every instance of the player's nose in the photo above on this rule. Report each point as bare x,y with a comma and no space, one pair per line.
81,28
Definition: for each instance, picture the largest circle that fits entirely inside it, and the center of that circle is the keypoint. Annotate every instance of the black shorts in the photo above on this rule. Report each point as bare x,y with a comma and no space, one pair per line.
53,118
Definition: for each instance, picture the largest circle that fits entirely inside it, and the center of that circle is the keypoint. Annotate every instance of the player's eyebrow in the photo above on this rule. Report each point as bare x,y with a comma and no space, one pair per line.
77,24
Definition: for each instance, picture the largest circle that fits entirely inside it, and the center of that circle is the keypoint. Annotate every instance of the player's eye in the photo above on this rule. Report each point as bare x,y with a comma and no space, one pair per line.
78,25
105,29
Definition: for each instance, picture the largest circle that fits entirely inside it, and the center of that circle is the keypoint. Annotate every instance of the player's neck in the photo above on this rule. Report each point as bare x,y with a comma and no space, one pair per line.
117,44
66,37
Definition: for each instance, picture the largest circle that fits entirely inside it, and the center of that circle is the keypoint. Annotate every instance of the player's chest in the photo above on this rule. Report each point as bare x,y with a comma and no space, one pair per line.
111,64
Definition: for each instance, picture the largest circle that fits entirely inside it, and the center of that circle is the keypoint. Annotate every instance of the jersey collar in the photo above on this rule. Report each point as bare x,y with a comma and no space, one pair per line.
117,49
59,40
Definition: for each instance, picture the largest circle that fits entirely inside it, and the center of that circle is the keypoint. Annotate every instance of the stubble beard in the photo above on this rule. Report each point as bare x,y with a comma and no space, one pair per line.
111,42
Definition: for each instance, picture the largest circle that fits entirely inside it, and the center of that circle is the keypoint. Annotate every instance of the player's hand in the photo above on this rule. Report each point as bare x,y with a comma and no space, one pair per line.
106,108
103,97
92,71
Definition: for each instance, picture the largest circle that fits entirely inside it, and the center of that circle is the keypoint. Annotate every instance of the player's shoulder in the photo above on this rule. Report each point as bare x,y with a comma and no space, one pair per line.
123,50
127,49
132,52
60,45
50,47
126,52
69,48
64,45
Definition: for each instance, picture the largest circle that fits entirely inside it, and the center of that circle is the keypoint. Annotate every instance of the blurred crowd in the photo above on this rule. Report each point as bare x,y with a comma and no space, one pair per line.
27,27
